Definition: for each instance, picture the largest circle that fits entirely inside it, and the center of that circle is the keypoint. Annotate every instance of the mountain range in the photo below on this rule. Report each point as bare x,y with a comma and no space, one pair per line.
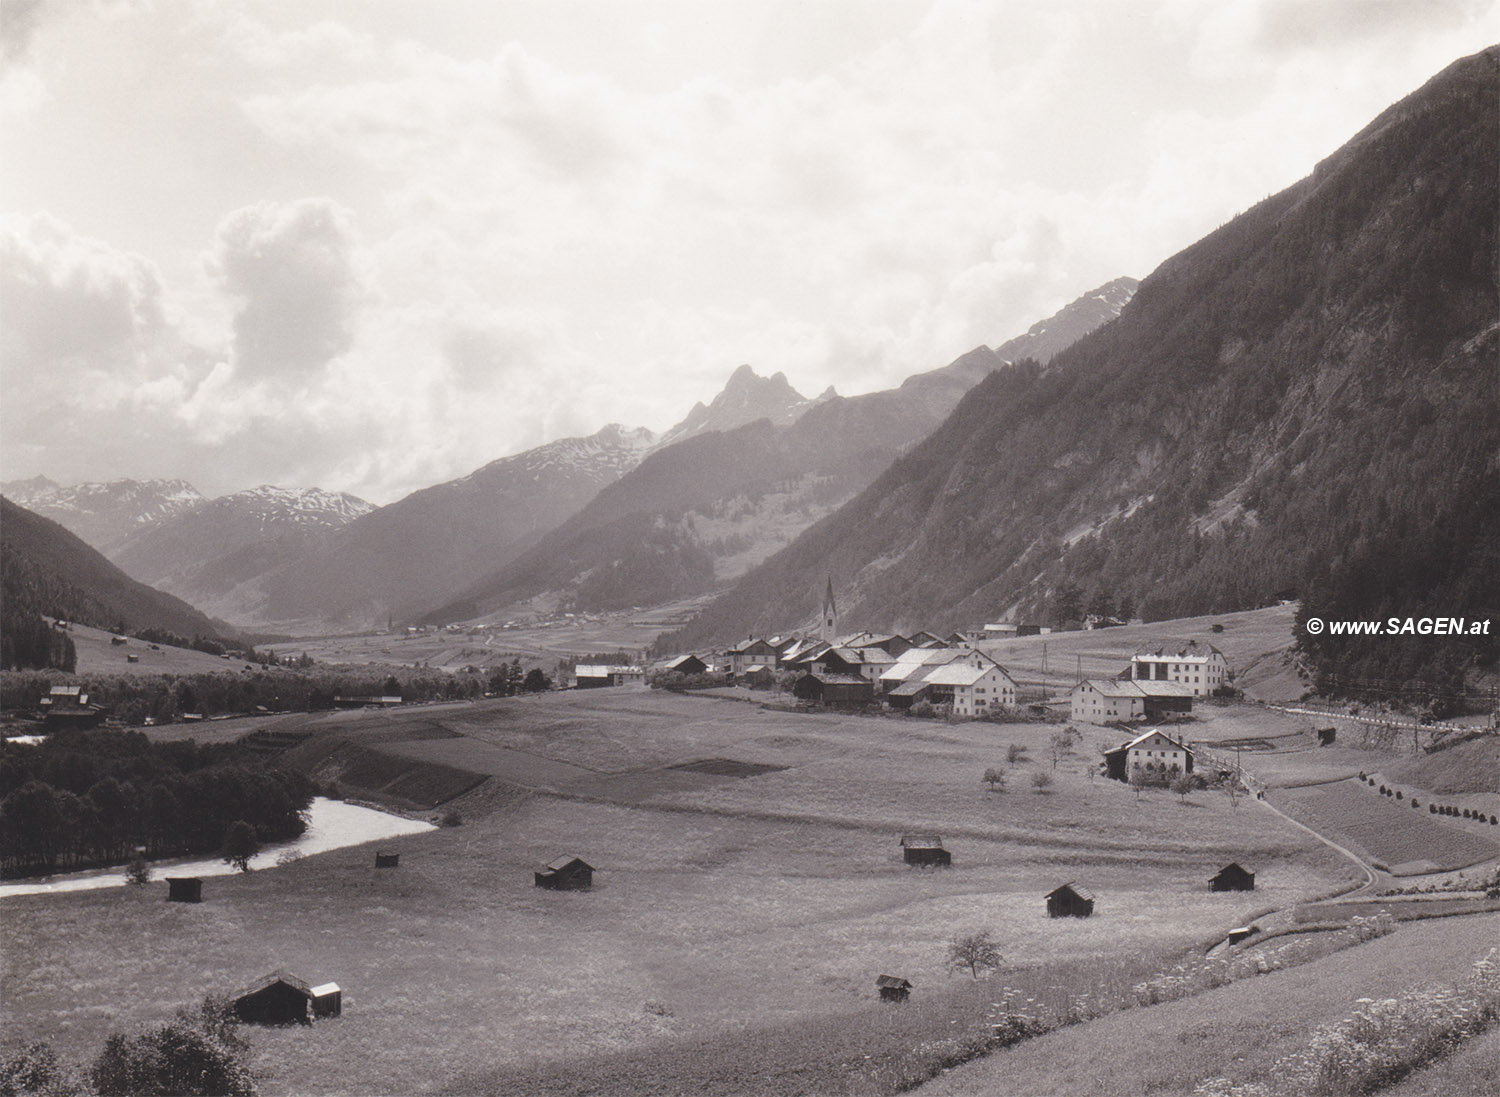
103,514
699,513
1302,402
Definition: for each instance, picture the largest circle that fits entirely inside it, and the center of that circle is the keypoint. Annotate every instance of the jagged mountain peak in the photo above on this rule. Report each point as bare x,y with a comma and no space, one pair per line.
104,513
746,397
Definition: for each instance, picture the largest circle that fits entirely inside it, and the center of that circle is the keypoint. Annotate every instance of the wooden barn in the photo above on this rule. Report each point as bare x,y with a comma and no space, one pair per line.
1327,736
566,874
387,860
686,664
1232,877
1070,901
184,889
893,988
837,690
925,849
282,998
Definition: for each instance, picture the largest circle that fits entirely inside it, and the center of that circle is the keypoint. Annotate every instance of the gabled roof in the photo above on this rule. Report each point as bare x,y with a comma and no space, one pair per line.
1076,889
752,647
673,664
922,841
828,678
560,863
909,688
1132,687
1231,869
324,988
959,674
892,982
1156,731
278,976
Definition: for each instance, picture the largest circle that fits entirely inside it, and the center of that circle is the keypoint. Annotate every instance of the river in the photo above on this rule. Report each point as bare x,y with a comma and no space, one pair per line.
332,824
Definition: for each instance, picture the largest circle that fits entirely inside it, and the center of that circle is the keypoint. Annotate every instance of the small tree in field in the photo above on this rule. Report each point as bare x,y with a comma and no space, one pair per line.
995,778
138,872
974,952
240,844
1015,753
1184,784
1138,782
1041,781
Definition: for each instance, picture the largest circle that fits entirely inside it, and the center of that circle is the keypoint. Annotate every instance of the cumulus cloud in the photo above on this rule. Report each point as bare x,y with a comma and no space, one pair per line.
293,269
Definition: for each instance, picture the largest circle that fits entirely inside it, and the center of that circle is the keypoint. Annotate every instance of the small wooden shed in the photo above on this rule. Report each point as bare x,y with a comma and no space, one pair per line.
1232,877
1070,901
1327,736
566,874
925,849
893,988
184,889
387,860
282,998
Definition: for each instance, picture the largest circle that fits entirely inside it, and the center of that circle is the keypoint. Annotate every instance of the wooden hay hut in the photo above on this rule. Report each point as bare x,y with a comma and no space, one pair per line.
893,988
282,998
1327,736
1070,901
184,889
925,849
1241,933
1232,877
387,860
566,874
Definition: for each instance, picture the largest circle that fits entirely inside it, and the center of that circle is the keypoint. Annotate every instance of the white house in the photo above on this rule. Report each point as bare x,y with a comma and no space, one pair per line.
753,653
1154,752
1200,667
973,682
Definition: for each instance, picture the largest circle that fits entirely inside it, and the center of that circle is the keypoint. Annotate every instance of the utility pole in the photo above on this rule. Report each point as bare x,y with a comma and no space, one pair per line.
1044,672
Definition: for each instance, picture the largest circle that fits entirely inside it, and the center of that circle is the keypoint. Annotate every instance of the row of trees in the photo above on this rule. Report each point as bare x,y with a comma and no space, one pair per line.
91,798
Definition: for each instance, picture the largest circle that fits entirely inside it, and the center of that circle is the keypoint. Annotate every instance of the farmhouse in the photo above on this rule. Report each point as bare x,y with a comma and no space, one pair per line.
893,988
968,679
686,664
1200,667
1153,753
566,874
752,653
924,849
594,676
1232,878
1070,901
68,707
184,889
1106,700
282,998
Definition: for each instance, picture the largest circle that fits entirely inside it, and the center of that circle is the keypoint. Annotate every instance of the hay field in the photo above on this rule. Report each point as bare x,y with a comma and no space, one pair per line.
722,903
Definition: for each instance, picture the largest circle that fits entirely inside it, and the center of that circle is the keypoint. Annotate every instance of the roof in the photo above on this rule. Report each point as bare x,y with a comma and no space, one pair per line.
1191,650
922,841
65,691
324,988
909,689
278,976
1155,731
892,982
1130,687
1081,892
752,646
673,664
560,863
956,674
1233,867
596,670
830,679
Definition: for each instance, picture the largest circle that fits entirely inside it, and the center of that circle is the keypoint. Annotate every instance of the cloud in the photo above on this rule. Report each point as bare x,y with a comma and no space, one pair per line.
293,269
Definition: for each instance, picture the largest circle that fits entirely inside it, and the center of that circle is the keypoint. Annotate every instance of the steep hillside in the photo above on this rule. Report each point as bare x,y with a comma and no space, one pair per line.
204,553
103,514
46,569
705,510
1306,396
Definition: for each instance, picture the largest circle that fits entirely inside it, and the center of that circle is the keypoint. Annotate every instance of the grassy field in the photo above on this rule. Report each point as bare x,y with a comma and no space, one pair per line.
97,655
1237,1031
1405,840
723,905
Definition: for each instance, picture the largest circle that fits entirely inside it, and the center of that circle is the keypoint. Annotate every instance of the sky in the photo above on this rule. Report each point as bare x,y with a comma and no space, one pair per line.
371,245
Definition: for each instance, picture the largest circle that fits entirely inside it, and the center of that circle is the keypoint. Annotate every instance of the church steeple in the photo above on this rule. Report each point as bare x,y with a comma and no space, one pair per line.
830,615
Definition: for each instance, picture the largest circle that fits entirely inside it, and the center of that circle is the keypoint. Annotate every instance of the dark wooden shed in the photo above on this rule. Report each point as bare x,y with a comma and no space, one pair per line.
1327,736
1070,901
838,690
1232,877
279,998
687,664
184,889
925,849
387,860
893,988
566,874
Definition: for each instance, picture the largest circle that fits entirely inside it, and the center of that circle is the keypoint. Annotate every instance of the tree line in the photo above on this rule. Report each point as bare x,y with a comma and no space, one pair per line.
86,798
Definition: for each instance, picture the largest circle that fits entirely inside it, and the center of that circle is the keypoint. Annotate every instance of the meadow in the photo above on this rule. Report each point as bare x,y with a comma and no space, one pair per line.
725,908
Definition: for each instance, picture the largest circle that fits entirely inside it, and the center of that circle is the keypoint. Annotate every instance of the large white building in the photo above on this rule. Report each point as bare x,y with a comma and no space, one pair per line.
1105,700
969,680
1200,667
